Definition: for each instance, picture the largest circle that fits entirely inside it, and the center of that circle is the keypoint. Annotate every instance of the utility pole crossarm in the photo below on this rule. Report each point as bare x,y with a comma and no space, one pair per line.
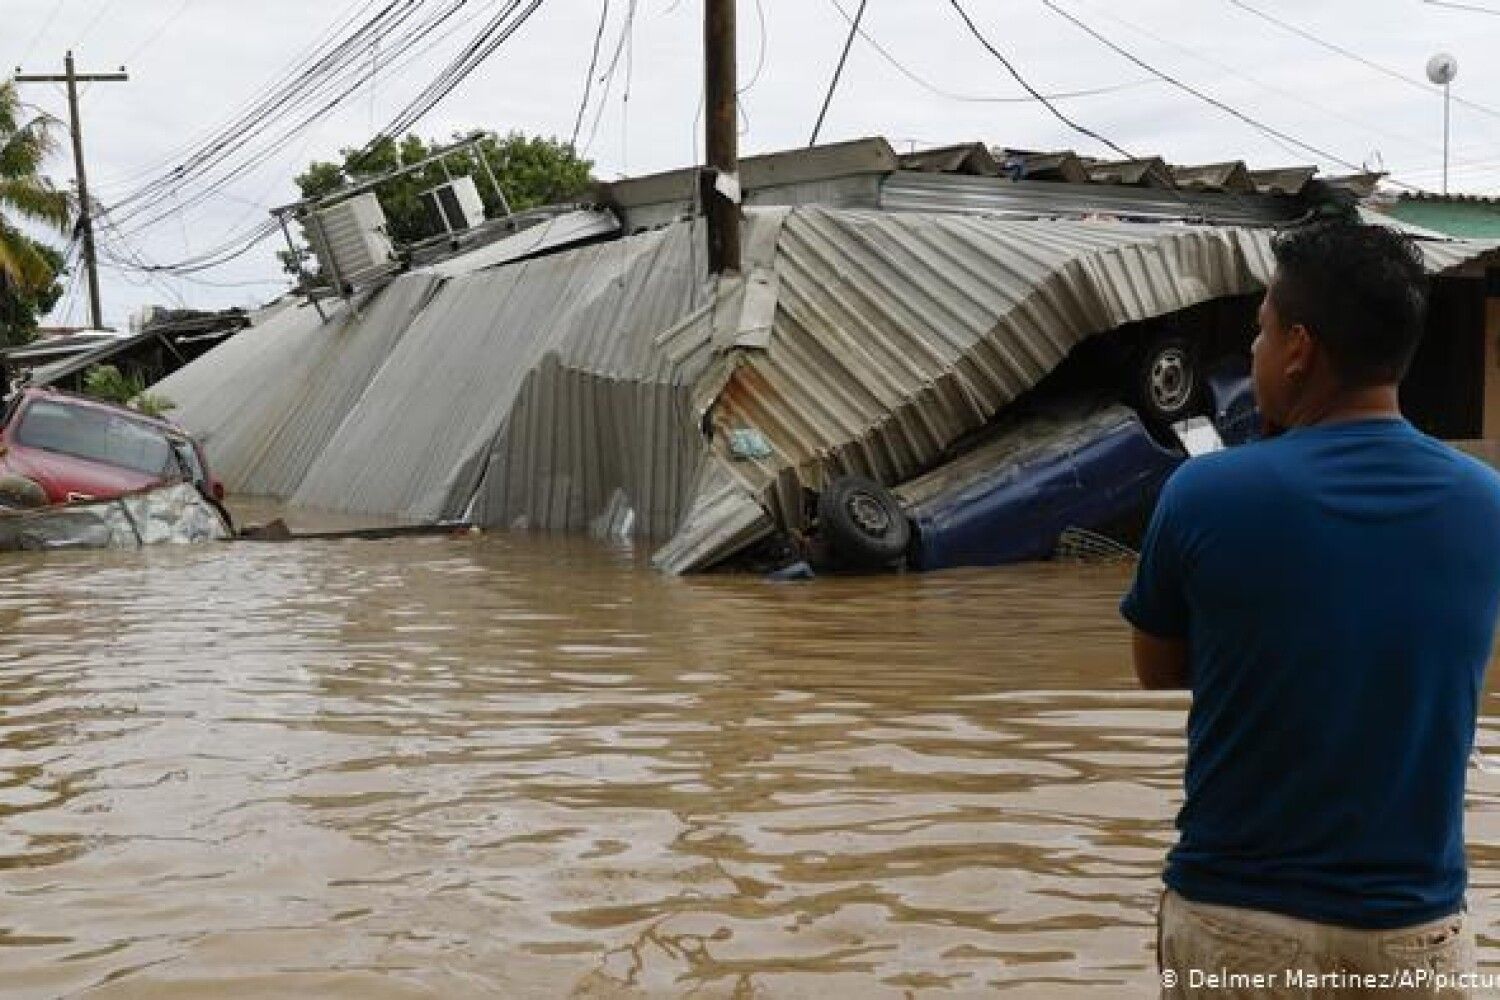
85,210
60,78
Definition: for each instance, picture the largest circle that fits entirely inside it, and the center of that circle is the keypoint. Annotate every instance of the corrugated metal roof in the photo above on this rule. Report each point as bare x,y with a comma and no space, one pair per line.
563,391
897,334
910,191
548,236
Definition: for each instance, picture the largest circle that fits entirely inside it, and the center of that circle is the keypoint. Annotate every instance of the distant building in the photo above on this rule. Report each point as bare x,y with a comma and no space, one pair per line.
1468,216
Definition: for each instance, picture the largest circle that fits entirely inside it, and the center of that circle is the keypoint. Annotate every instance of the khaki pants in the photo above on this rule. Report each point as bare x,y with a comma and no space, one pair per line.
1224,951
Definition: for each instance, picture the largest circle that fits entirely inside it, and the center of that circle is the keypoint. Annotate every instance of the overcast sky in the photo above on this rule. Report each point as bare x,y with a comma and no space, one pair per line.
193,63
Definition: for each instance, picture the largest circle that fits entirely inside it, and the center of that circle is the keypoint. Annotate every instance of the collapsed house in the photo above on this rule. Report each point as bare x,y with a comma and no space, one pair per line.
587,374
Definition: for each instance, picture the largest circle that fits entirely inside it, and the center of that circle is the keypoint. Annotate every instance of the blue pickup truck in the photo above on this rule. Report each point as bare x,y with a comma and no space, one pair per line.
1069,462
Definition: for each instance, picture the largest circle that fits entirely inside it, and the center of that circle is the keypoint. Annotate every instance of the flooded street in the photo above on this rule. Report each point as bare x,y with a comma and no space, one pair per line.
519,767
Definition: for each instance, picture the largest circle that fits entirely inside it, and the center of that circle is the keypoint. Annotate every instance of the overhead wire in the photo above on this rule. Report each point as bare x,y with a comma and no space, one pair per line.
304,88
46,24
351,79
93,23
275,84
1258,125
588,77
1306,35
838,71
1470,7
925,84
1223,67
496,31
1056,113
499,30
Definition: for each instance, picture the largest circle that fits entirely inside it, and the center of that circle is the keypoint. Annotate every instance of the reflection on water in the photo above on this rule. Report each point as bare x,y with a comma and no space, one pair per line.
500,766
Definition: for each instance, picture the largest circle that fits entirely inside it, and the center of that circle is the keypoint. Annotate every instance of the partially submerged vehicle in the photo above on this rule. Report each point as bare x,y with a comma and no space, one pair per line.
77,472
590,374
77,448
177,513
1051,464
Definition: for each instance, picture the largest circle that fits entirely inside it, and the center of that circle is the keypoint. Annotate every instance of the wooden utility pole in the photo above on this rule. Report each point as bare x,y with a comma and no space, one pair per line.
85,210
720,181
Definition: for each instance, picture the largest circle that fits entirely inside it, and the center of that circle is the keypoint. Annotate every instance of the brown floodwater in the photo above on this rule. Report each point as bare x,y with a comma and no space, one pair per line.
506,766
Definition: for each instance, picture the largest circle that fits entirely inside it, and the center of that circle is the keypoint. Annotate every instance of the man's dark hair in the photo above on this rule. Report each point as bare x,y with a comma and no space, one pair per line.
1359,290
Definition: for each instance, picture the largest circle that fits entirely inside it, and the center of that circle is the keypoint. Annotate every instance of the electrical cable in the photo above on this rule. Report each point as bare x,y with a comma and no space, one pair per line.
160,30
495,33
1215,102
974,29
838,71
588,77
499,30
1421,85
26,52
931,87
1196,53
276,85
351,82
1472,8
103,9
760,51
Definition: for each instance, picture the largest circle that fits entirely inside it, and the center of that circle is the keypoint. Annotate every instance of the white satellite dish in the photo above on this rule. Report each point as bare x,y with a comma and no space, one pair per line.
1442,68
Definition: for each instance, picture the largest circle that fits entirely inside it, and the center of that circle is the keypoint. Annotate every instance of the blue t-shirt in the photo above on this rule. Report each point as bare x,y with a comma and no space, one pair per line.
1338,589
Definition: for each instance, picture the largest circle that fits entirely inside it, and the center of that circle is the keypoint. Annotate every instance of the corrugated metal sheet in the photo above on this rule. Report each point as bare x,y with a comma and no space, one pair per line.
569,392
268,402
911,191
548,236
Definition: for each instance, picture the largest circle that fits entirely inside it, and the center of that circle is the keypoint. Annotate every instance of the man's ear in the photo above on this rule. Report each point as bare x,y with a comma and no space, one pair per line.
1300,350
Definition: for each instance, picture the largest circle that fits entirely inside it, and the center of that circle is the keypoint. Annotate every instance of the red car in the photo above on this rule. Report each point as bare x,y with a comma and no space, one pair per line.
76,448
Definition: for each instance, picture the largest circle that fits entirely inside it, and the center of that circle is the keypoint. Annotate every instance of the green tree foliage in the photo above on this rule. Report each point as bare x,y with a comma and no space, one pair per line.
108,383
21,308
532,171
28,269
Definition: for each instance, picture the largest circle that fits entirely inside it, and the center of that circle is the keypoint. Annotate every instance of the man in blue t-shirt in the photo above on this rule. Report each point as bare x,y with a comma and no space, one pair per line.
1329,597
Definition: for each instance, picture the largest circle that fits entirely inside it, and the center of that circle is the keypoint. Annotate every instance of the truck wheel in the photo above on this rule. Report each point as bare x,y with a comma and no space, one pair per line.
1169,381
863,523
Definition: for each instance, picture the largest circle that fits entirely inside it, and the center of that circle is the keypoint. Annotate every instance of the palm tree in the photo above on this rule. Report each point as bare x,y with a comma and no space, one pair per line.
26,194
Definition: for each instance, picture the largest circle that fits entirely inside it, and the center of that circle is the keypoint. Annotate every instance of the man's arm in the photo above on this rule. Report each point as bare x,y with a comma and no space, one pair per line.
1160,664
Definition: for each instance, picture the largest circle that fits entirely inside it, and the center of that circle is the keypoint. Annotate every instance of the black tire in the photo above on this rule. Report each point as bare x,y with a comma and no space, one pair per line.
862,523
1169,384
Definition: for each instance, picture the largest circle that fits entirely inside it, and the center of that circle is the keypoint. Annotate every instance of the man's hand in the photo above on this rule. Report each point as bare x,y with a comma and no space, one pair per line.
1161,664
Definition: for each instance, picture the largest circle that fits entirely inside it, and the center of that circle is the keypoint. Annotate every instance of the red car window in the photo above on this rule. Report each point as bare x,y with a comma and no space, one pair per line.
96,435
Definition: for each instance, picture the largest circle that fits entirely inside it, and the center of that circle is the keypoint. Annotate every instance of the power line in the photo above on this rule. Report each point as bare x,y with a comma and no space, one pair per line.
760,51
1032,90
931,87
160,30
26,52
1473,8
103,9
1213,101
498,31
588,78
350,56
1238,74
1421,85
838,71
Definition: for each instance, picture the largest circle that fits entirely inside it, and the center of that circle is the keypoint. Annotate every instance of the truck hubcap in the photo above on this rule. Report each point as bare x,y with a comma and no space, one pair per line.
1171,380
869,514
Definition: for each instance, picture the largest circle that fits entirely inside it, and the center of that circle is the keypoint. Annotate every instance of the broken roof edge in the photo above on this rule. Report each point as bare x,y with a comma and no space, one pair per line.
796,166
